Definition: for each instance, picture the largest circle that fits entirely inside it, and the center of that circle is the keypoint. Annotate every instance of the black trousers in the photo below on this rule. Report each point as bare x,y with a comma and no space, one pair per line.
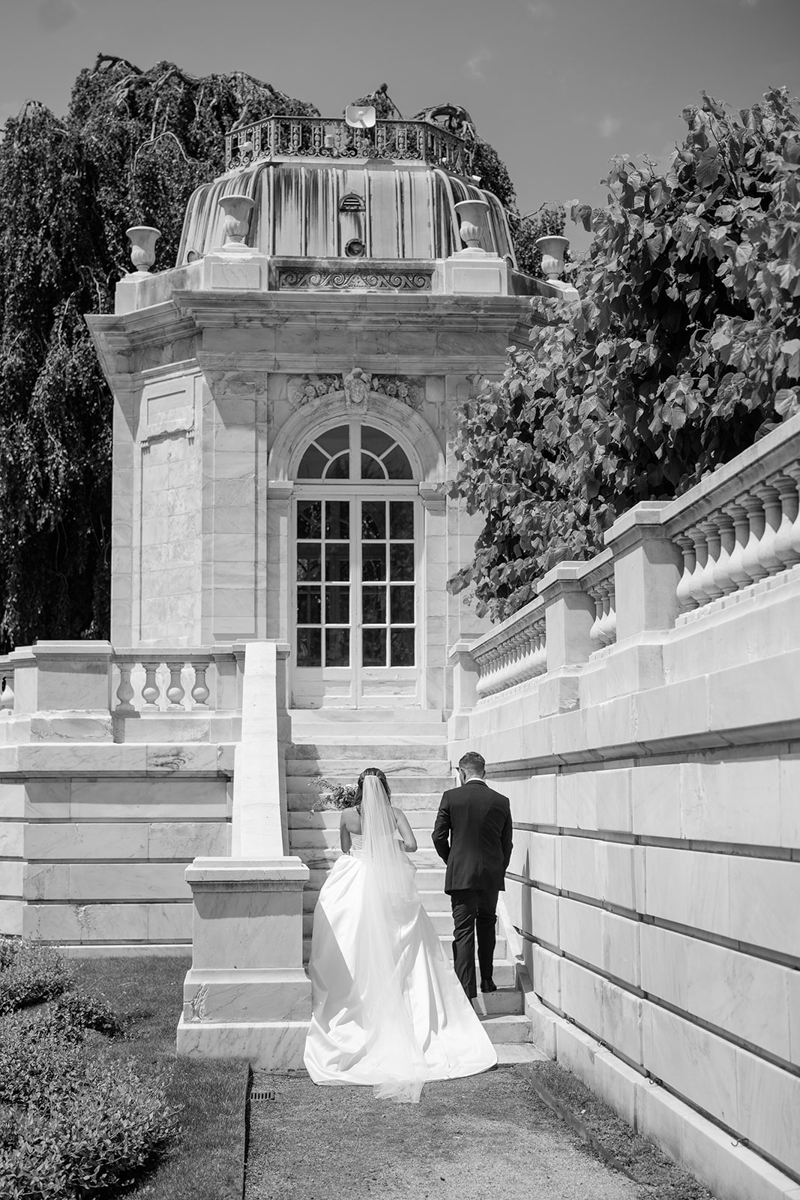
473,909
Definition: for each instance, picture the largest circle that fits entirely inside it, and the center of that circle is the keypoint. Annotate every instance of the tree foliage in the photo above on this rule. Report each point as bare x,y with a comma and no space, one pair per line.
684,349
549,219
133,146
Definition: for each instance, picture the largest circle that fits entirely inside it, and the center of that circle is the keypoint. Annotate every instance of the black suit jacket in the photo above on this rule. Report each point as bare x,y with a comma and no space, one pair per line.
472,834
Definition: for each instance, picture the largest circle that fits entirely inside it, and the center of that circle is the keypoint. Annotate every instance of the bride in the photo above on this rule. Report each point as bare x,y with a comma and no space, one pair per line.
388,1010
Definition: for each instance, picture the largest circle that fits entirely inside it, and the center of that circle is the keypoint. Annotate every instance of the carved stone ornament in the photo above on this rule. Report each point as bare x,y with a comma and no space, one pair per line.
306,389
400,387
357,388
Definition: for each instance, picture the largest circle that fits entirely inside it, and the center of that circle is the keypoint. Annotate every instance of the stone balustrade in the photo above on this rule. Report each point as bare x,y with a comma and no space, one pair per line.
324,137
740,527
179,680
735,534
513,652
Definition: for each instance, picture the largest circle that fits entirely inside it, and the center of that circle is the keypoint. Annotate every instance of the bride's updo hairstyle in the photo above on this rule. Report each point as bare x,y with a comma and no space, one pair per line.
360,785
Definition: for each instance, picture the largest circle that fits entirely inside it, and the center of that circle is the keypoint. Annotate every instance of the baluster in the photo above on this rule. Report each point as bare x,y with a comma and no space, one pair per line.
125,689
7,693
151,693
611,620
595,633
751,558
683,592
707,581
723,579
200,691
741,533
787,539
701,558
175,689
770,561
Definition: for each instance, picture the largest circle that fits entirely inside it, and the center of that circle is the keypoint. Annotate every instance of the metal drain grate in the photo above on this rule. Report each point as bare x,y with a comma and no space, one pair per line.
262,1094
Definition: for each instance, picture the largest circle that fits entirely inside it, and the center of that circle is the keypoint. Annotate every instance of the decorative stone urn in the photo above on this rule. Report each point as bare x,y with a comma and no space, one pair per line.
143,240
472,214
237,210
553,248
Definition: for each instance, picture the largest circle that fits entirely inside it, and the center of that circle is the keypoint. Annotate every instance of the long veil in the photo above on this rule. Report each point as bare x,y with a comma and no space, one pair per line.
392,900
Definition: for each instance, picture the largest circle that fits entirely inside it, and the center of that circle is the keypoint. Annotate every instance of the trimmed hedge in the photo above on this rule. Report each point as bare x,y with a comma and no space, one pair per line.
75,1123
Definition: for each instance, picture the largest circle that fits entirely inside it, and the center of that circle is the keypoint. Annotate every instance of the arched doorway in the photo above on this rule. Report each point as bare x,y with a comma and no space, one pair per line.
356,571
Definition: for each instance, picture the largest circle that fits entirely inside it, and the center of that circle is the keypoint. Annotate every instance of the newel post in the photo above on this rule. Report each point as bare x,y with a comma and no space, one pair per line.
465,677
647,570
569,616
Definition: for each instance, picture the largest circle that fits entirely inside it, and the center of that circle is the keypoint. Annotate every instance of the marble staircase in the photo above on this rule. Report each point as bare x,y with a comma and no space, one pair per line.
410,747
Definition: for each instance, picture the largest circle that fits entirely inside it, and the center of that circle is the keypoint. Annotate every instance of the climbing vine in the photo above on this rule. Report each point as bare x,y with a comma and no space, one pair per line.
684,349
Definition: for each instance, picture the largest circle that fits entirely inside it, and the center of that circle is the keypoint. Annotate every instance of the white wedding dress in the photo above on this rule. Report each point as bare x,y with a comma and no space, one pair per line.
388,1009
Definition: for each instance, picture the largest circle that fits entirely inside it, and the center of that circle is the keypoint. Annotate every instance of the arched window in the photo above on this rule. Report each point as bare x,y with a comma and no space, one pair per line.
334,455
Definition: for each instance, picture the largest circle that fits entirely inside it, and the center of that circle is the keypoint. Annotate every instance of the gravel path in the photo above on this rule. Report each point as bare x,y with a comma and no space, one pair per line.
483,1138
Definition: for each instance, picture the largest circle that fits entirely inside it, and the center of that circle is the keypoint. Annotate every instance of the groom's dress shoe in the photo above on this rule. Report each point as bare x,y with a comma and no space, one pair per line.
488,986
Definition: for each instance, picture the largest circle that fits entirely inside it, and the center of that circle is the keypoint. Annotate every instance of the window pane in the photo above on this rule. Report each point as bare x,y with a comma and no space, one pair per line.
401,520
337,561
373,647
402,605
337,605
401,561
335,440
402,641
309,606
337,647
309,647
312,464
337,520
339,468
373,562
309,517
373,605
397,465
371,468
373,520
375,440
309,562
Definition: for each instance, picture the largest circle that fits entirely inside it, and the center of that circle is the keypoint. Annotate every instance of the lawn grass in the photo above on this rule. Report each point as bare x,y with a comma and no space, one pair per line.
207,1160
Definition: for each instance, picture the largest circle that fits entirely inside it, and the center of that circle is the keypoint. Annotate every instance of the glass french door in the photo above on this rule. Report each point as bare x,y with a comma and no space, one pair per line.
356,598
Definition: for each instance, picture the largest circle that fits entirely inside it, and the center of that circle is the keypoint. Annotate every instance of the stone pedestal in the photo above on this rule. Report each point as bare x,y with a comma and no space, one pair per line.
475,273
247,994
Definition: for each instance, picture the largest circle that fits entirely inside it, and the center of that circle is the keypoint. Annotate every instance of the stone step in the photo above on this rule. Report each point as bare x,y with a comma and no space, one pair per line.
345,770
432,902
400,785
327,836
301,717
322,859
368,750
508,1029
512,1053
304,800
329,818
504,970
505,1002
442,922
428,879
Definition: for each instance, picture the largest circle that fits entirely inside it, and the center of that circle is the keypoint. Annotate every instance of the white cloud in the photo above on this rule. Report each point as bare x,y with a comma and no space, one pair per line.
474,64
540,8
54,14
608,126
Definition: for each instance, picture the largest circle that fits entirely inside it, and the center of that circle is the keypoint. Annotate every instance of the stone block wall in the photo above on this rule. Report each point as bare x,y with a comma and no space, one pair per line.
95,840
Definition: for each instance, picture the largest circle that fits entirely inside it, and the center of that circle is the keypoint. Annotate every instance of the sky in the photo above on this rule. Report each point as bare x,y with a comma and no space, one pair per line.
557,86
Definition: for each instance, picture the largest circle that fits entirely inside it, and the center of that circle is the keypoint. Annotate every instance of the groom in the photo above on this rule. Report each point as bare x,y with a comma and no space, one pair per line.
472,834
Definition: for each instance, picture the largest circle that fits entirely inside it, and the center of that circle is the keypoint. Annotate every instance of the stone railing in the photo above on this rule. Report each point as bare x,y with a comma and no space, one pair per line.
322,137
734,535
739,527
175,680
513,652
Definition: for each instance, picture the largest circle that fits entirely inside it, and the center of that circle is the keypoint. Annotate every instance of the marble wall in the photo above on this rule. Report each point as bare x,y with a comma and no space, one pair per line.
656,869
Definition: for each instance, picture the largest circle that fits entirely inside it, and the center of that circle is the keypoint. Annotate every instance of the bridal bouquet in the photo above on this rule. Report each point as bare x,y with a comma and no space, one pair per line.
334,795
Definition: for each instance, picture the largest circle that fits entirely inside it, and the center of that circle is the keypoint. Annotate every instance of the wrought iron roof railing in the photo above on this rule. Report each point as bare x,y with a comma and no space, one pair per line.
333,138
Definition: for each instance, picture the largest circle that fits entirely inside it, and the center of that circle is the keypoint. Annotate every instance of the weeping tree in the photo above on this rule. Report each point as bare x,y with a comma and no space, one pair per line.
685,349
131,149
